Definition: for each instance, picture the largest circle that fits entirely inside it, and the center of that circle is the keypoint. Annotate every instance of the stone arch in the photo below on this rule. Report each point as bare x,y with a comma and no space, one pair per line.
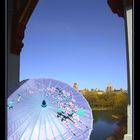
22,13
23,10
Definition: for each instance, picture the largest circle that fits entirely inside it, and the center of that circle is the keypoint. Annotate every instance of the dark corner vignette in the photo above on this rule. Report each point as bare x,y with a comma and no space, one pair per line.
2,70
136,71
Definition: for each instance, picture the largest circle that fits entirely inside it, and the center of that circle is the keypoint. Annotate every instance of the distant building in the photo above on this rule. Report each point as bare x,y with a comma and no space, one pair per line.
118,90
100,92
92,89
75,85
83,91
96,89
109,88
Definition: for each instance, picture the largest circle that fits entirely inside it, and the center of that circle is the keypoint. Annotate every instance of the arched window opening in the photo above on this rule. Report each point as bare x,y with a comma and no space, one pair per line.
80,43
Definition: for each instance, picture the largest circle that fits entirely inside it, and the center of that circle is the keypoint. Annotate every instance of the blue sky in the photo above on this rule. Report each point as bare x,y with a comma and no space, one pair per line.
75,41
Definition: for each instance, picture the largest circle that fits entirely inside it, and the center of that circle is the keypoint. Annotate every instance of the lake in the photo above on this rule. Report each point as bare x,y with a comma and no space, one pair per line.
103,125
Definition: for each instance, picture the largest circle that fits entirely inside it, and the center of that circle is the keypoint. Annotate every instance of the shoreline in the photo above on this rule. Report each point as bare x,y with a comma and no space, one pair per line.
101,109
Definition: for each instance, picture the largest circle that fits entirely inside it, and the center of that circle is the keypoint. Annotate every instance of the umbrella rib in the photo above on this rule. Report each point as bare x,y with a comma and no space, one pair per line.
50,124
45,125
20,126
39,127
26,128
50,83
40,91
34,126
56,127
15,114
30,86
17,119
45,89
80,122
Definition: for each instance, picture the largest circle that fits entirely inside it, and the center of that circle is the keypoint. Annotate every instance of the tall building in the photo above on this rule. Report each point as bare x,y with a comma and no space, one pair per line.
75,85
109,88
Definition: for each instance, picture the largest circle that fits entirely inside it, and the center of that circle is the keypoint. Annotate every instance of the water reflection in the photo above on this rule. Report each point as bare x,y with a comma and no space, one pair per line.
103,125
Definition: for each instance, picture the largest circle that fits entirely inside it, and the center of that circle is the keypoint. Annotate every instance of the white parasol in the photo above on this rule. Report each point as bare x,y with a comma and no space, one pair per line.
46,109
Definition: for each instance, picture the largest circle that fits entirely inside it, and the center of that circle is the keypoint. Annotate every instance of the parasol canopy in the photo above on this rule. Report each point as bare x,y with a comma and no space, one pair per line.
47,109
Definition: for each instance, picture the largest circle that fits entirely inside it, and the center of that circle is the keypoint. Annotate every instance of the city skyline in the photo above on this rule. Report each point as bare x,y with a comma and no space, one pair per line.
96,88
80,41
